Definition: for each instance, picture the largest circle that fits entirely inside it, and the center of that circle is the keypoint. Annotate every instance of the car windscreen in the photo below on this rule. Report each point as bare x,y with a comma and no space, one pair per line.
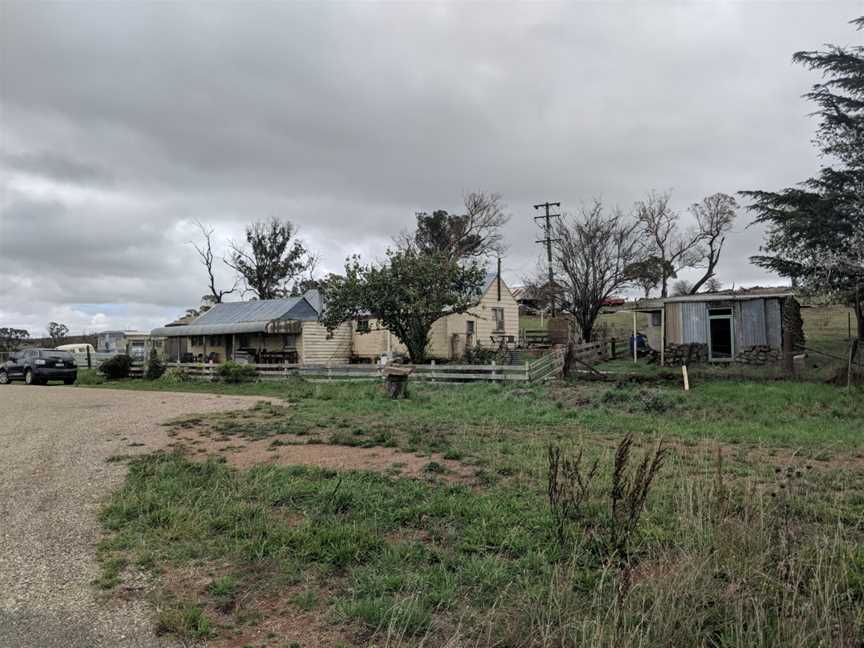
57,355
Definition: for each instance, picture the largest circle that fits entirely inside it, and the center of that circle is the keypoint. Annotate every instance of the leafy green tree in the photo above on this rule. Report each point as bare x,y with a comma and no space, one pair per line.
816,230
57,332
648,273
155,368
11,338
407,293
459,237
270,259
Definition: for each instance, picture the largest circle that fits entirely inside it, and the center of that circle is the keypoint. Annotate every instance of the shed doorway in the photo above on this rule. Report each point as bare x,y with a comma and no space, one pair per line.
721,338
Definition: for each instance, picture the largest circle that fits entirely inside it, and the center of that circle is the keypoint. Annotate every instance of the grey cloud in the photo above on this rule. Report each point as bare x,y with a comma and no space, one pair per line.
348,118
57,167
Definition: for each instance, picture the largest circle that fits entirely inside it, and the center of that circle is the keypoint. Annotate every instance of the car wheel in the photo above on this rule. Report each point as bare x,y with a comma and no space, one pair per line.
29,378
4,378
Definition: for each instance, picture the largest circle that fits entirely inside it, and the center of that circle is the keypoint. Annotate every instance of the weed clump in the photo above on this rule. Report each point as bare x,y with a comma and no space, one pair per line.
577,499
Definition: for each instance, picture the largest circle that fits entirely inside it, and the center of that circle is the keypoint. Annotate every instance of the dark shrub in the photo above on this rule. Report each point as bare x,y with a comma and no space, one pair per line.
116,367
155,368
479,355
233,372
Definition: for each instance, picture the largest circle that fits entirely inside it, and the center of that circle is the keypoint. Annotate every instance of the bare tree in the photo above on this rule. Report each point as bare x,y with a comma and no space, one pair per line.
592,255
676,250
205,253
713,285
271,258
473,235
682,287
714,216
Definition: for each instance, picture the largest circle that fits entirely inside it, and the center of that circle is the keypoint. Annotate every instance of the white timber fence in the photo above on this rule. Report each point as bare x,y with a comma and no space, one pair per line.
432,372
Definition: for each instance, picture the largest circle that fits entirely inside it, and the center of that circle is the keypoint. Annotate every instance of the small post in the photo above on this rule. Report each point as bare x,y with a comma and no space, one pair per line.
432,371
613,351
633,341
686,378
89,361
494,374
527,371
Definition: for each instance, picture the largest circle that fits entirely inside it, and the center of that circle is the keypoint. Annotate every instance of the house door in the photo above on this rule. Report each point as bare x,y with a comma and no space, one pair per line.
229,347
721,338
469,334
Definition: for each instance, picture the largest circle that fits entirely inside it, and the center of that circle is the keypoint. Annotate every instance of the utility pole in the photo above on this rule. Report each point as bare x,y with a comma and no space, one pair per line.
547,239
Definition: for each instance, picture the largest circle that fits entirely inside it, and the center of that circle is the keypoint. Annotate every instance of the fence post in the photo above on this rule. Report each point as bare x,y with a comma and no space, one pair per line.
527,371
788,353
432,371
494,373
329,373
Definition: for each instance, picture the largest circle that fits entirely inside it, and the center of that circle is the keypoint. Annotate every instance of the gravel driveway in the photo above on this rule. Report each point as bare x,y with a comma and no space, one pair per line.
54,442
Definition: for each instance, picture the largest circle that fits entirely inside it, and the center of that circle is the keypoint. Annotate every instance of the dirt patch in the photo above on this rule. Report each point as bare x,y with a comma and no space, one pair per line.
198,441
779,458
298,613
325,455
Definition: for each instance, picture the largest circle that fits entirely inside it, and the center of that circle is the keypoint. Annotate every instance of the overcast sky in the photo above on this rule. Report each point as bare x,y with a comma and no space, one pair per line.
120,124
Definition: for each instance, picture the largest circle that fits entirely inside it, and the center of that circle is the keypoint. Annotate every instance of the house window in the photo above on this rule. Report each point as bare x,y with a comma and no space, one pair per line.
197,340
363,325
469,333
243,341
655,318
498,314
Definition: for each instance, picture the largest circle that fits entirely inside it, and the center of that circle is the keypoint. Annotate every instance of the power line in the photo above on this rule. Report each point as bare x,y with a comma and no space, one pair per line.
548,241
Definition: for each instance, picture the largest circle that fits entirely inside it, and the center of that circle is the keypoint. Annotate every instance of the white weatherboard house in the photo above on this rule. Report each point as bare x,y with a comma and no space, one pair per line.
268,331
493,320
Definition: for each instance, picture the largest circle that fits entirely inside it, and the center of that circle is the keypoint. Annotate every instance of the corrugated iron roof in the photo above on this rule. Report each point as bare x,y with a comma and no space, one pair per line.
729,296
243,317
263,310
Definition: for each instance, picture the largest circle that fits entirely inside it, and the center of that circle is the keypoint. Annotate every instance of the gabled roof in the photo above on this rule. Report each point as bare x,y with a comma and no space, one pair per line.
245,317
489,281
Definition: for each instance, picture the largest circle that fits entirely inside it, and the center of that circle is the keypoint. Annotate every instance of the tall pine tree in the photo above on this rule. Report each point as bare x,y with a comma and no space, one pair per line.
816,230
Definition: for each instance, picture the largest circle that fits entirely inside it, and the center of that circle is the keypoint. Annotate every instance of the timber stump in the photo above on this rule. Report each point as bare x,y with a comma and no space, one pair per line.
397,380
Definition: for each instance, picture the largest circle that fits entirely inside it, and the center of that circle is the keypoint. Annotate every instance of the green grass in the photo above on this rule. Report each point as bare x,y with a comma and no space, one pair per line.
474,418
739,553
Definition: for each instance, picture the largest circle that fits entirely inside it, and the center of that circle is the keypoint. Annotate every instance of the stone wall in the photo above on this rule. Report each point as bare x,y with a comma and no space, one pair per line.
681,354
691,354
758,355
